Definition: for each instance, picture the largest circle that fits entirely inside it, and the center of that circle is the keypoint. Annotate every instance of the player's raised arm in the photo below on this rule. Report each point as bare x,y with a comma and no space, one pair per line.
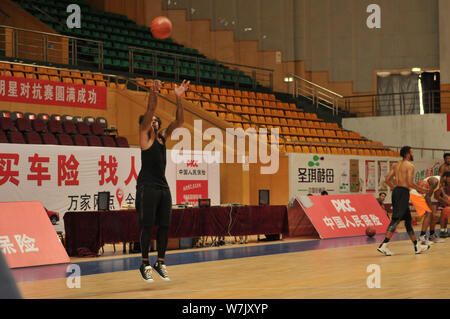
145,126
179,117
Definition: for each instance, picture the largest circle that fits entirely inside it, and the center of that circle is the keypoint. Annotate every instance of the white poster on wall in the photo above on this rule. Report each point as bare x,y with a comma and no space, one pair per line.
370,176
68,178
383,171
311,174
344,177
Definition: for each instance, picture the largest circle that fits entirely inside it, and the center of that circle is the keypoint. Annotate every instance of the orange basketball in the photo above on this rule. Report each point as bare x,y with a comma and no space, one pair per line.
446,211
161,27
370,231
424,184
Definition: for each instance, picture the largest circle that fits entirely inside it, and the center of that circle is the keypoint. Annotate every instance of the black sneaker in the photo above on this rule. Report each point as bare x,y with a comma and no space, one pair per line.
161,269
146,272
443,234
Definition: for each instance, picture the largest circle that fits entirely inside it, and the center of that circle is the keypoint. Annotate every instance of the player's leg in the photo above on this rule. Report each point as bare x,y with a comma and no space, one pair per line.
428,217
418,247
433,236
443,224
399,197
145,199
162,236
422,210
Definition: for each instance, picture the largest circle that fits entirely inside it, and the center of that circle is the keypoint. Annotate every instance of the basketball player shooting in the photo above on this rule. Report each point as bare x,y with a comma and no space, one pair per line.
403,171
153,198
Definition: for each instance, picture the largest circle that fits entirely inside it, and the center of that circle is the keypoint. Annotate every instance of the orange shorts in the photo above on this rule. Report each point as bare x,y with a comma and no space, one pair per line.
420,204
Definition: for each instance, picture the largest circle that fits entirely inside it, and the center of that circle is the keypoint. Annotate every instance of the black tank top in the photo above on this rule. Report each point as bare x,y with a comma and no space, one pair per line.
153,165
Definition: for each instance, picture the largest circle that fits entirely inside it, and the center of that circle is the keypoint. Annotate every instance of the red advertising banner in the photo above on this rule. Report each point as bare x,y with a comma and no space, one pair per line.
344,215
33,91
27,237
191,191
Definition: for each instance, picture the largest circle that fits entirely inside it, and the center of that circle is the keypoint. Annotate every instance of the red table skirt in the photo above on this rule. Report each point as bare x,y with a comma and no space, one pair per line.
91,230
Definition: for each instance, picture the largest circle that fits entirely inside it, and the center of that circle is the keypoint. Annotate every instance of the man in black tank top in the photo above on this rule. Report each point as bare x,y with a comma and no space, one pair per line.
153,198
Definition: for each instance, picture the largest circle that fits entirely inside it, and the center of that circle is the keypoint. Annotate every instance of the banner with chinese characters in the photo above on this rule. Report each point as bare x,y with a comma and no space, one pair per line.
344,174
27,237
192,181
336,174
424,169
345,215
35,91
68,178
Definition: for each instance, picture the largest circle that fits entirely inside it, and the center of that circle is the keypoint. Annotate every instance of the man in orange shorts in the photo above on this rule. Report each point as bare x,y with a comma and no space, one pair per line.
424,207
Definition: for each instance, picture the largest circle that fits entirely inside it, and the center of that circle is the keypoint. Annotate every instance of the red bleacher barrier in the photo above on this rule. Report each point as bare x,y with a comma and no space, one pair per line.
337,215
27,237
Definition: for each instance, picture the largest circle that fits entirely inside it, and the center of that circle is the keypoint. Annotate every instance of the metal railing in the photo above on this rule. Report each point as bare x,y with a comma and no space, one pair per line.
285,141
24,44
318,95
30,45
201,70
129,83
431,101
134,84
398,103
424,150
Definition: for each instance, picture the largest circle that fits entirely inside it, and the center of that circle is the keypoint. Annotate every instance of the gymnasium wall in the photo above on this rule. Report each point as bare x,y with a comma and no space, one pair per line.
444,48
427,131
325,41
330,35
221,44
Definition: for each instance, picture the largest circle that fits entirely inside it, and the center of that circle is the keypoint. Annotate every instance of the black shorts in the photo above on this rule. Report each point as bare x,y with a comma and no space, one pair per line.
153,205
400,203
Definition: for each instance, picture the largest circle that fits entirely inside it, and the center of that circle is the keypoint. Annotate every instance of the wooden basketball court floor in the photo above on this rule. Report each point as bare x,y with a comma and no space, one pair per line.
287,269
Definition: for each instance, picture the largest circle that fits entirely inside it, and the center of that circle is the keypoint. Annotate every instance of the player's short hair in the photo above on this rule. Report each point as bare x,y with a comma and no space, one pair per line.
382,194
404,150
446,154
141,118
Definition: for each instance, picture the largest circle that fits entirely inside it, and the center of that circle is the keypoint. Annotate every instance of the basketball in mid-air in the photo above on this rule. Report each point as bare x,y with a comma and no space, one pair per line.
424,184
161,27
370,231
